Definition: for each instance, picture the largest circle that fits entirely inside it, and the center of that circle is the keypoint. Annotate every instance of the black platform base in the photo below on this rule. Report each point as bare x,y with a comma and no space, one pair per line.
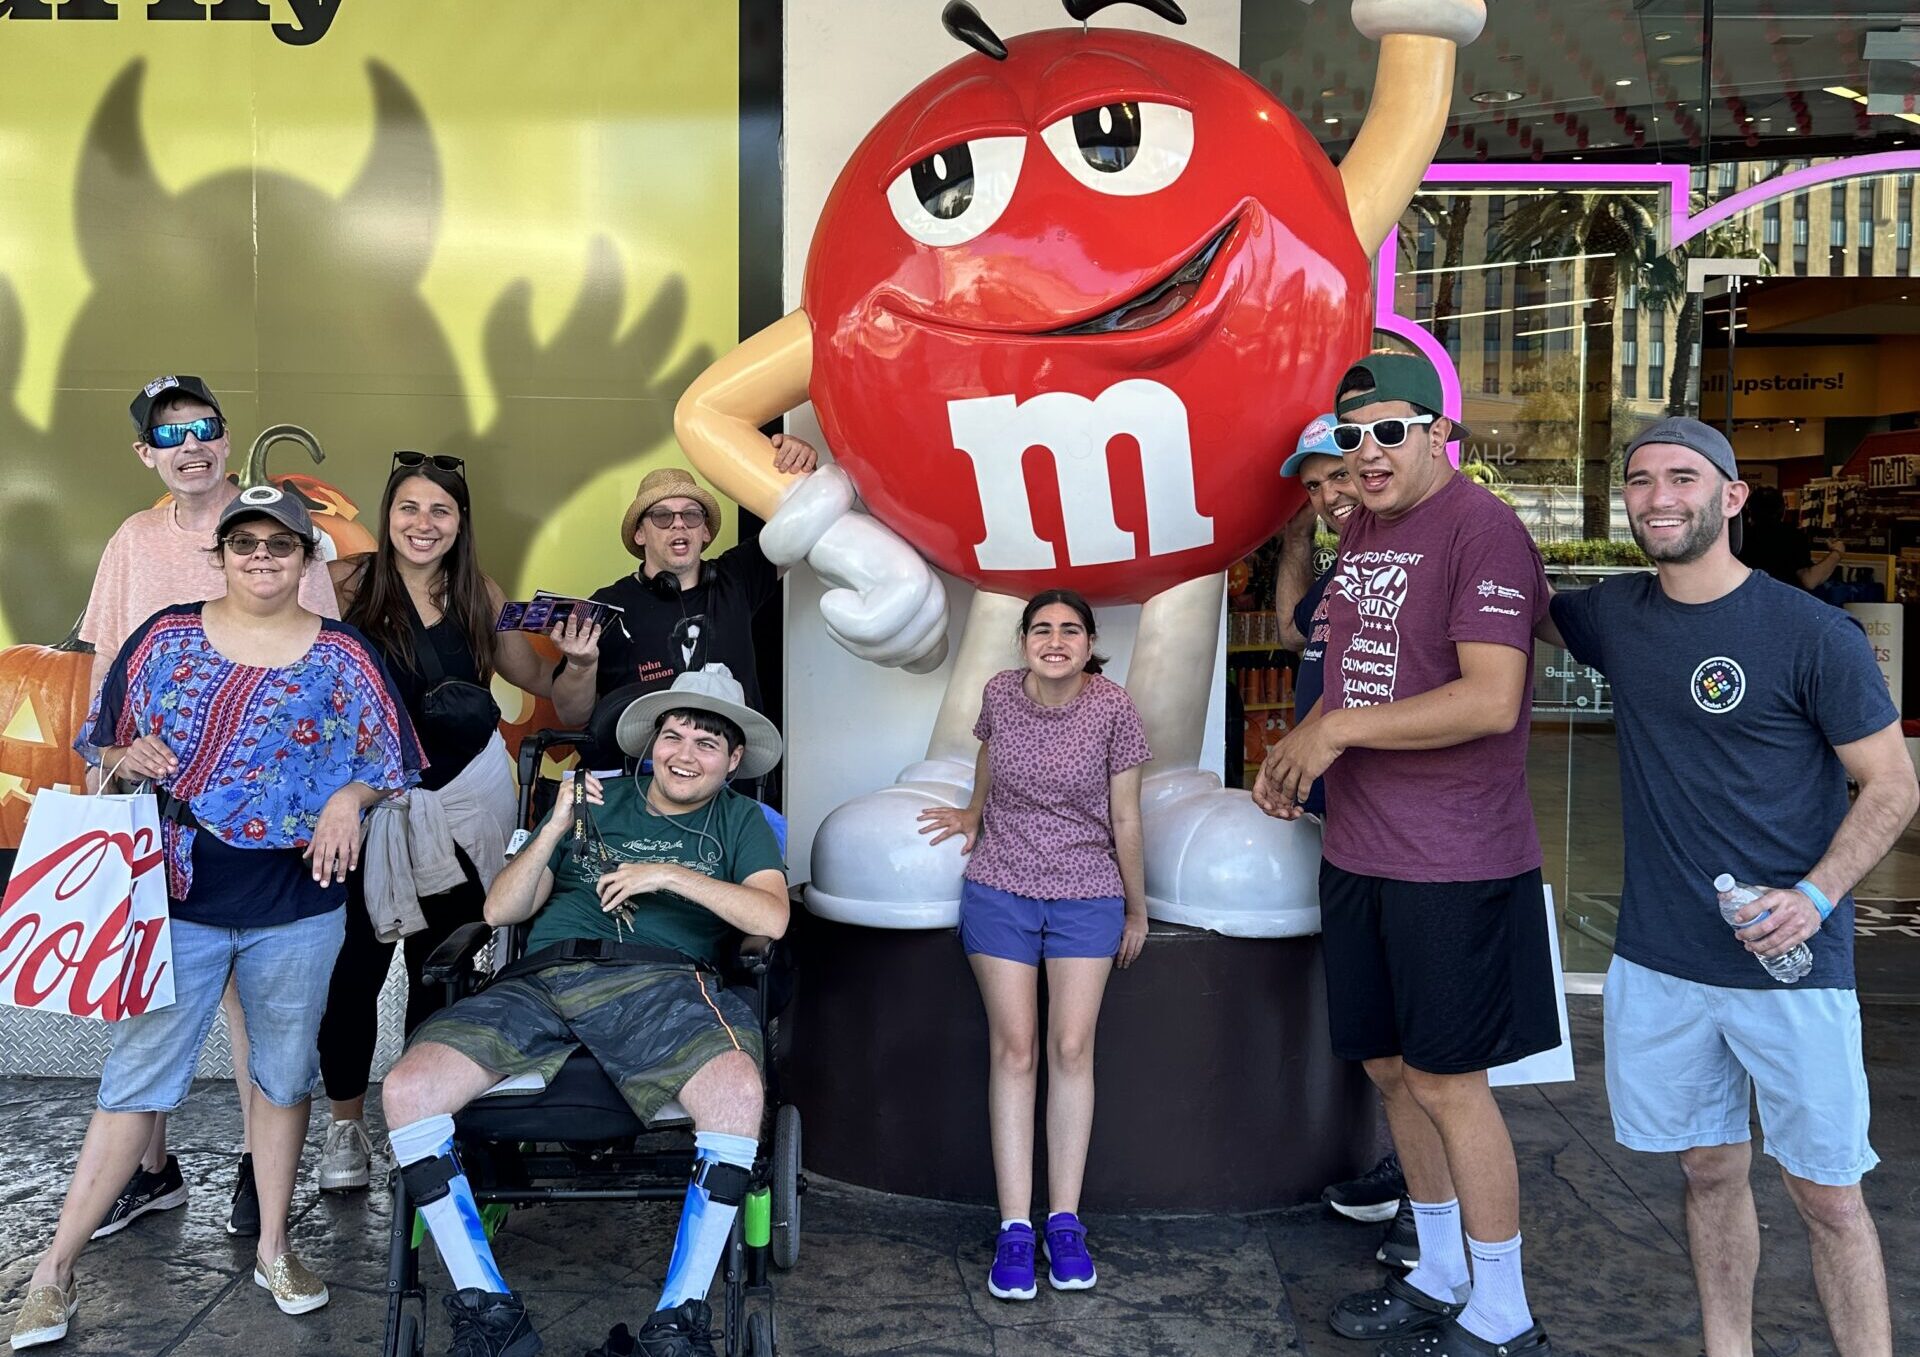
1217,1090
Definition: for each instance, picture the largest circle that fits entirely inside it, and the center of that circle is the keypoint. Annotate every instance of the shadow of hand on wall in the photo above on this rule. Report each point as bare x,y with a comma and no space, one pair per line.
591,387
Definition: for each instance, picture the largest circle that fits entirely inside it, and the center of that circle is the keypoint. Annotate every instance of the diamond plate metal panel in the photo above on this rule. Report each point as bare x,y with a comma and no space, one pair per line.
53,1045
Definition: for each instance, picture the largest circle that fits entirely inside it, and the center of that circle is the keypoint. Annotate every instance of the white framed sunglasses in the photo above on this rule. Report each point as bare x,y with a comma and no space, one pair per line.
1387,433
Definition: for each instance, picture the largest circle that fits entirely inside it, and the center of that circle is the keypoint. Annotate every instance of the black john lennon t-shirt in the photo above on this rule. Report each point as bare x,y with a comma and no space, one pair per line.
657,638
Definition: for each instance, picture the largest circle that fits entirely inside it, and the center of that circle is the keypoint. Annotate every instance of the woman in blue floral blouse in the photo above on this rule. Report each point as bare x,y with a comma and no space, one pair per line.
269,731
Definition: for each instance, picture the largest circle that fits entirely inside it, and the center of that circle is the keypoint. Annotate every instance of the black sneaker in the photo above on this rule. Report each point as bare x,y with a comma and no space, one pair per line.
489,1324
680,1332
243,1217
145,1192
619,1344
1401,1247
1373,1196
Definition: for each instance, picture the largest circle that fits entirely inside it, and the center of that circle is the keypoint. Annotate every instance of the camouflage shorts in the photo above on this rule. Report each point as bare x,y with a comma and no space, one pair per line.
650,1026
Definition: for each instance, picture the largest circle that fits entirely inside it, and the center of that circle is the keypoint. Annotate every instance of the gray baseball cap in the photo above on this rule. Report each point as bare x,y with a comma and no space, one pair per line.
269,501
1702,438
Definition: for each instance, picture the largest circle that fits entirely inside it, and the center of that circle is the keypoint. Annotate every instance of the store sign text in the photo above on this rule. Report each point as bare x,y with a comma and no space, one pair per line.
311,18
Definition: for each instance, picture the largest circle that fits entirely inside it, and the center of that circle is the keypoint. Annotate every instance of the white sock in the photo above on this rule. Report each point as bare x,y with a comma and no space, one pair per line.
704,1222
454,1220
1442,1272
1498,1311
1016,1220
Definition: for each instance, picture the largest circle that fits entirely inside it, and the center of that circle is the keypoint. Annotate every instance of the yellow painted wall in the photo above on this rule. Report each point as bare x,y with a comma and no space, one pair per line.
501,229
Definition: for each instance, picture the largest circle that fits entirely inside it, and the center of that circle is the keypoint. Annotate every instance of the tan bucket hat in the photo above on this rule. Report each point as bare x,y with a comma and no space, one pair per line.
669,482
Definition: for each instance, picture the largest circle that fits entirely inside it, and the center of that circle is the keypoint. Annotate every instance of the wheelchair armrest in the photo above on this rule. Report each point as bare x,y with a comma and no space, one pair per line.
453,958
758,954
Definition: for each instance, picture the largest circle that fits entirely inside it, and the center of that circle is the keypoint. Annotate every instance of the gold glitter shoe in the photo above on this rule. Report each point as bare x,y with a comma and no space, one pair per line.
295,1290
44,1314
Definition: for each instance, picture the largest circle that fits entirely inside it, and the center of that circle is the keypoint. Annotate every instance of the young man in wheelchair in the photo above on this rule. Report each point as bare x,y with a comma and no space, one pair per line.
671,871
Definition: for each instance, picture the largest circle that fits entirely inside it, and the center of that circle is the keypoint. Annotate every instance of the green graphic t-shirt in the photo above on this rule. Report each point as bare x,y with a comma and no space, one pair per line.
728,839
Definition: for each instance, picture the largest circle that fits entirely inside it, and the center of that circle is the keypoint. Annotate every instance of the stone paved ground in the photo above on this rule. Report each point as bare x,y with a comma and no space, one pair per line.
1605,1256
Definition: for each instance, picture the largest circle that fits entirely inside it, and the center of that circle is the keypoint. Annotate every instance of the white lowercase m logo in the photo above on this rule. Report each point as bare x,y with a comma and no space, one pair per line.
994,431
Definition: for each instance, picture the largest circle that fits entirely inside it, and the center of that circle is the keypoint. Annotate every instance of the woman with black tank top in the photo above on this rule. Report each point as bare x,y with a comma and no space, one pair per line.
424,605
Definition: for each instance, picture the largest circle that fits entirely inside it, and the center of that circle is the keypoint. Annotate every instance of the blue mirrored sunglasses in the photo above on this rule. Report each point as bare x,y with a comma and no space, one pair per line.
207,430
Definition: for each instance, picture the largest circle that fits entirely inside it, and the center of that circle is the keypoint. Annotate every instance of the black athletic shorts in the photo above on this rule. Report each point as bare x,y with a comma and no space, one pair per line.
1452,976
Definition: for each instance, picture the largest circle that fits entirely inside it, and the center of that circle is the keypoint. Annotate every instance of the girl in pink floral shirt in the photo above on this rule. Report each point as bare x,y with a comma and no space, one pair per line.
1054,875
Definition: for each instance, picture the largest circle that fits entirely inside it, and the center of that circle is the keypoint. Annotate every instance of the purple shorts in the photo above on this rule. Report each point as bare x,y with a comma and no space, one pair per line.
1001,924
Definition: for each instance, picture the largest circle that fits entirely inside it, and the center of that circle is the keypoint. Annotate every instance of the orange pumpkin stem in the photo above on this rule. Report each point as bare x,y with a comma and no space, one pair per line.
256,470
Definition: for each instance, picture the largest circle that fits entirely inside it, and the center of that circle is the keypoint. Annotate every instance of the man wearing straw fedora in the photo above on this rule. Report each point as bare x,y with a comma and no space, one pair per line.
678,611
629,923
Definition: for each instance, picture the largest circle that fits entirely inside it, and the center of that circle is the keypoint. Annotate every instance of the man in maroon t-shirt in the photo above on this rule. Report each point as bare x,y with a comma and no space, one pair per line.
1433,924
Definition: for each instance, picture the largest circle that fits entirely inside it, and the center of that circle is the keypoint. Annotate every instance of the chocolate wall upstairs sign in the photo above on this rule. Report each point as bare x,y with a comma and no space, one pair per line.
311,18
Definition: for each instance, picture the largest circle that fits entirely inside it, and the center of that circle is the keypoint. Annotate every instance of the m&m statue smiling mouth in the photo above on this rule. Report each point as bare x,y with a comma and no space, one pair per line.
1067,307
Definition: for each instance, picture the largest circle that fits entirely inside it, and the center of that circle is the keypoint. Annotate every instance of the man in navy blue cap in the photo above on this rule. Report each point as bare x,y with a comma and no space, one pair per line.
1742,706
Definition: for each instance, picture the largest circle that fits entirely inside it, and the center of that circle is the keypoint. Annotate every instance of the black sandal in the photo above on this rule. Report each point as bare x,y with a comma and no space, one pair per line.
1387,1311
1449,1339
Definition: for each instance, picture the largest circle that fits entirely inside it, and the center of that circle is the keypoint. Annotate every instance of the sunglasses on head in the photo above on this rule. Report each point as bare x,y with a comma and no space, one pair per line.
279,546
1387,433
410,461
693,517
208,429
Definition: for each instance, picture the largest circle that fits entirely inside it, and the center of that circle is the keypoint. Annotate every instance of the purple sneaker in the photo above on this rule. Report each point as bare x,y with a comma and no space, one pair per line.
1069,1265
1012,1275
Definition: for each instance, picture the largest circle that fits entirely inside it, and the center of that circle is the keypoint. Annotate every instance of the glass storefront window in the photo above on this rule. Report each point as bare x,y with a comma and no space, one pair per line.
1562,303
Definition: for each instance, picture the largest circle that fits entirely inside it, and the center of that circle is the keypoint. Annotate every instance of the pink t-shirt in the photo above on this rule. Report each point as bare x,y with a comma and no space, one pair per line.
1405,591
151,563
1047,827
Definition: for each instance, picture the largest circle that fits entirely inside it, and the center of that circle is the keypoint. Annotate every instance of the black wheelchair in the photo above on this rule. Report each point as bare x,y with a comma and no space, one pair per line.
576,1140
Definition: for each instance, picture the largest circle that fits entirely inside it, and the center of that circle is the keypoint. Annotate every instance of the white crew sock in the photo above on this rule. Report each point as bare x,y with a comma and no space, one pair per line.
1498,1311
454,1220
1442,1272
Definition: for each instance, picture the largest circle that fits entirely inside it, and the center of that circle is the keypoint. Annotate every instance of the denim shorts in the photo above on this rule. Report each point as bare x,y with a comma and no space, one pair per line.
1001,924
282,973
1685,1061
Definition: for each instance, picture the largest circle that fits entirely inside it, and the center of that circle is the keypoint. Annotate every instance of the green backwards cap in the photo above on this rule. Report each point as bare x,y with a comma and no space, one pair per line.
1405,377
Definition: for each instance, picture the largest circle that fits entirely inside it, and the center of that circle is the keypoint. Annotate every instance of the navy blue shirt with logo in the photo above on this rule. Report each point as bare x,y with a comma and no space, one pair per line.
1310,620
1728,714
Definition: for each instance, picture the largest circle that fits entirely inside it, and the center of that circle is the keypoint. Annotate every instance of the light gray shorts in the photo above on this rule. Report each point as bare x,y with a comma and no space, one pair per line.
1685,1061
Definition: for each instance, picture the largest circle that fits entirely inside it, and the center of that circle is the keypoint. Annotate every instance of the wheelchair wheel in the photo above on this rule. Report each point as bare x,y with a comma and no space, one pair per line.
785,1173
759,1336
409,1341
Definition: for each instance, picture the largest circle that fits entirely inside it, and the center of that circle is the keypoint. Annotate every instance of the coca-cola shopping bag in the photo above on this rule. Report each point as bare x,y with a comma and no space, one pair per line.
83,926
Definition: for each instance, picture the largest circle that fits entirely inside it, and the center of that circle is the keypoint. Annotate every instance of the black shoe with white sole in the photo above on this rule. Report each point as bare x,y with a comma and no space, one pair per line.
1373,1196
1401,1246
145,1192
243,1217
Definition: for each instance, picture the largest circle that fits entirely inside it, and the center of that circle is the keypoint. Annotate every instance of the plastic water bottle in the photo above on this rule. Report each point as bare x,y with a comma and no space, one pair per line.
1734,896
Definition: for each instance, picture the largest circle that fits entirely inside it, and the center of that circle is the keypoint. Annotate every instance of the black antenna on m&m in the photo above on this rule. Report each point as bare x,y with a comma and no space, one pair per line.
964,22
1084,10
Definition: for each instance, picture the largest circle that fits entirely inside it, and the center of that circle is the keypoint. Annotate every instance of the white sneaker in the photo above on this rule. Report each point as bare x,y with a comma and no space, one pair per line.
344,1161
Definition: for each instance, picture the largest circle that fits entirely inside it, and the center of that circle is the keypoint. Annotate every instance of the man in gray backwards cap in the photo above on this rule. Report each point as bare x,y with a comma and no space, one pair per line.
1742,706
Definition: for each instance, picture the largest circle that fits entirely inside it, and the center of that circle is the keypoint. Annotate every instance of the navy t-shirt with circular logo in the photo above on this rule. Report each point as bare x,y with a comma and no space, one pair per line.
1728,714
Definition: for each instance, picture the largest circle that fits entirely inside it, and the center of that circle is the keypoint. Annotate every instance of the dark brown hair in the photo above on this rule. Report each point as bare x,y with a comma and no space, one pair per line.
381,608
710,722
1046,597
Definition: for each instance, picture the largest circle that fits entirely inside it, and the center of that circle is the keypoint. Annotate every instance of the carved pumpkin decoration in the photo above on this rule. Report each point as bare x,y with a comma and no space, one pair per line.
43,705
334,514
